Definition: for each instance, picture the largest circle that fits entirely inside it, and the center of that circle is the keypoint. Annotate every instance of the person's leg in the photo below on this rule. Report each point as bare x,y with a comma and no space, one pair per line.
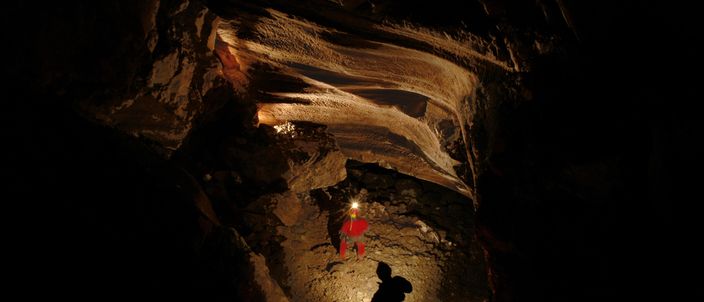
360,249
343,248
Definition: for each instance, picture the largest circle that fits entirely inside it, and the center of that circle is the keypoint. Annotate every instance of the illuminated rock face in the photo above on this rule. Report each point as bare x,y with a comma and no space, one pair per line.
384,103
400,96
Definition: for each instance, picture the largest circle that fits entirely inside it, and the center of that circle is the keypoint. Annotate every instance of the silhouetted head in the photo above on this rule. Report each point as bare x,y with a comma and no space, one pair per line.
383,271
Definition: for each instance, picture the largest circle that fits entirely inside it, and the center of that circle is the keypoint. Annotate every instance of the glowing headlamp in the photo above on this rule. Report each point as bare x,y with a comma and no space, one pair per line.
355,205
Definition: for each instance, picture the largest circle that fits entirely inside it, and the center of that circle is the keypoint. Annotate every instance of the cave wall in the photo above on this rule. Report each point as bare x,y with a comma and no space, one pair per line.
578,194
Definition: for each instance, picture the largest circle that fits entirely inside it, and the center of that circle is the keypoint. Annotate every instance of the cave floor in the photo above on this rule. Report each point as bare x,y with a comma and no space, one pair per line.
425,236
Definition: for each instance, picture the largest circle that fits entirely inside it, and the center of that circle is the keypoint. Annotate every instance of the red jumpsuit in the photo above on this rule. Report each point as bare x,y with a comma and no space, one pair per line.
353,231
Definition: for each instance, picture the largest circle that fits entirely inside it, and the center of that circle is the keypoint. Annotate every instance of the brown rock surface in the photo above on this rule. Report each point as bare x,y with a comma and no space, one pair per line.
174,71
287,207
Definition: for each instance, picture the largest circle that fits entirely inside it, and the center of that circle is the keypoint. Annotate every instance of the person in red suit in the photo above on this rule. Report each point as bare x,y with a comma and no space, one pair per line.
352,232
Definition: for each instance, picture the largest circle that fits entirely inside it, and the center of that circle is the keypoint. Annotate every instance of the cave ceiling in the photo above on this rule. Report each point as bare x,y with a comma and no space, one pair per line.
390,92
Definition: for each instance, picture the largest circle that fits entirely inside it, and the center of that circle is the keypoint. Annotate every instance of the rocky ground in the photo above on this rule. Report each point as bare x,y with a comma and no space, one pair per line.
415,227
423,231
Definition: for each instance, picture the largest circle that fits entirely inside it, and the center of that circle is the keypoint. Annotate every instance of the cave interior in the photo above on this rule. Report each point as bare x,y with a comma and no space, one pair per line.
211,150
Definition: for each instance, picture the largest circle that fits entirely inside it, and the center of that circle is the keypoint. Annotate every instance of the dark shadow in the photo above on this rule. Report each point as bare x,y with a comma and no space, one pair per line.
410,103
390,289
335,207
329,77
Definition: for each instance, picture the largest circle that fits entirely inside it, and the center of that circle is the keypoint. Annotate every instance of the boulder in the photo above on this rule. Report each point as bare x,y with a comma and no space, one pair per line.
322,170
286,206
